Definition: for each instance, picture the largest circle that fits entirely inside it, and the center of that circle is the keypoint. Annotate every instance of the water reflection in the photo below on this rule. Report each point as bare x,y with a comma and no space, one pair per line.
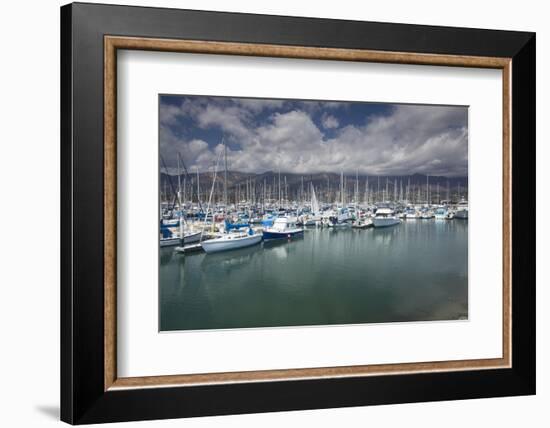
413,271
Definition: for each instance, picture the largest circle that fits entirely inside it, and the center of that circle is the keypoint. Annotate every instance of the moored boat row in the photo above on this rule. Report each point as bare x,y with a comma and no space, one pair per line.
216,236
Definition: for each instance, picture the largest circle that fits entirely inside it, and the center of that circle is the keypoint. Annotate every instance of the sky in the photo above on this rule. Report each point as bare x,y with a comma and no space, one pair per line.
307,137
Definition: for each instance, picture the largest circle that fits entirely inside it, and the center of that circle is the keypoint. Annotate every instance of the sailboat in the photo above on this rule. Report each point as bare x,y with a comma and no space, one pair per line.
341,218
168,237
315,217
232,241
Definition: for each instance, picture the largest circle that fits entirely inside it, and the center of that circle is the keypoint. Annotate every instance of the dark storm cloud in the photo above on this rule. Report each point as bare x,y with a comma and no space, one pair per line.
302,137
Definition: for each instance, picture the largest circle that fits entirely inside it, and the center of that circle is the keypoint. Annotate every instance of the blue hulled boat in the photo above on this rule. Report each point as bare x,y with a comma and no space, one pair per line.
283,227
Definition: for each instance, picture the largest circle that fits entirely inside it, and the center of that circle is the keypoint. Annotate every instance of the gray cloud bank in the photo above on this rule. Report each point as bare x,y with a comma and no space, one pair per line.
263,136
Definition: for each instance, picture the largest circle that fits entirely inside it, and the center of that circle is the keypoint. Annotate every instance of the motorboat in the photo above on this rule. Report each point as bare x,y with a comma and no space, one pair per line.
385,217
441,213
283,227
462,210
363,223
268,219
410,213
426,214
341,218
232,241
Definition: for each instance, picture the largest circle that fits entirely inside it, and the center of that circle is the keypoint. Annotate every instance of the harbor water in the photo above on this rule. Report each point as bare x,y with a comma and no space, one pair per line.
415,271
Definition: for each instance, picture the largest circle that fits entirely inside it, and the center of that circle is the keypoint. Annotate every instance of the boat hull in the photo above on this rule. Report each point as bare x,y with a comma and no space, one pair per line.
461,214
385,222
170,223
362,226
191,238
271,234
336,225
170,242
218,245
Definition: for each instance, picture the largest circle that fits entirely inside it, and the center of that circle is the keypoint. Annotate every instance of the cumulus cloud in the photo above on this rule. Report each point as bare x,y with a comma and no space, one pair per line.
272,134
328,121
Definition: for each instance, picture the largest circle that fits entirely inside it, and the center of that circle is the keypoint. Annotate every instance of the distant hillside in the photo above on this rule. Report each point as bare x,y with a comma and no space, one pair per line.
241,185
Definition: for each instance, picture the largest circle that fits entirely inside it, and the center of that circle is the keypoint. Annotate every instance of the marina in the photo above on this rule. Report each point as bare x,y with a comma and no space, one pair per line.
273,262
279,213
266,212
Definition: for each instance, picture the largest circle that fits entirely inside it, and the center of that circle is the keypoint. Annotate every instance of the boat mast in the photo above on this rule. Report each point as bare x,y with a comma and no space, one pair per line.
342,188
225,176
215,166
279,188
302,191
198,186
179,182
428,189
356,186
286,193
184,189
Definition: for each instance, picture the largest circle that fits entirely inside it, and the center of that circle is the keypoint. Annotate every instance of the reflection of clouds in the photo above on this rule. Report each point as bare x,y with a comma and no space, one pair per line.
413,271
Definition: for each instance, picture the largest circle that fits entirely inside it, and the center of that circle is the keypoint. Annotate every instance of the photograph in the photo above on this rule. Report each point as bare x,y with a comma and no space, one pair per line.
288,212
263,213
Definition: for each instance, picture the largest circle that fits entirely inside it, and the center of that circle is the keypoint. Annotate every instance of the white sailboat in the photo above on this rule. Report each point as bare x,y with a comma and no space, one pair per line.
314,203
170,241
315,217
232,241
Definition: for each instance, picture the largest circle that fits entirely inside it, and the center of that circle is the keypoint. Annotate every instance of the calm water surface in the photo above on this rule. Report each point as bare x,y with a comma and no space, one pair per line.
415,271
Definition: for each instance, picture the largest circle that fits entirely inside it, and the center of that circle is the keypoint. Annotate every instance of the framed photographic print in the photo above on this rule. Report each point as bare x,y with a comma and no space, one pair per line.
264,213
